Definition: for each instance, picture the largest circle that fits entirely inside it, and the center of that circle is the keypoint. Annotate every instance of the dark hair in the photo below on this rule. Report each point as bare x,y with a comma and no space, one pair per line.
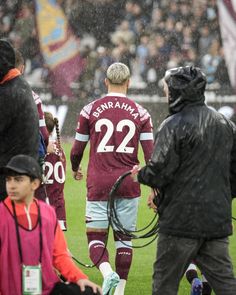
14,173
7,58
52,123
58,133
20,61
49,120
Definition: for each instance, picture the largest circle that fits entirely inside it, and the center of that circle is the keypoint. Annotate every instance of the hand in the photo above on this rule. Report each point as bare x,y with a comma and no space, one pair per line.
50,147
82,283
57,150
134,172
150,202
78,175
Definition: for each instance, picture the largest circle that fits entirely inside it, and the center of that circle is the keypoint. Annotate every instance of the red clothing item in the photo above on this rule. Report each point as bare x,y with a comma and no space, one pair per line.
11,276
62,261
10,75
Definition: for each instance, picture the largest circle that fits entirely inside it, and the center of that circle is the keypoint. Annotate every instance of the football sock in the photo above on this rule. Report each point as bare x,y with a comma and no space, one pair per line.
105,269
120,289
97,250
124,253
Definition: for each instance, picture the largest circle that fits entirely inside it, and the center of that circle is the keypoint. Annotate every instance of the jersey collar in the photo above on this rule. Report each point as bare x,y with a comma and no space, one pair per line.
116,94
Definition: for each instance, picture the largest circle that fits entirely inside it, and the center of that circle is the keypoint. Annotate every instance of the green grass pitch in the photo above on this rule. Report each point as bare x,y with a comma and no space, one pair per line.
140,277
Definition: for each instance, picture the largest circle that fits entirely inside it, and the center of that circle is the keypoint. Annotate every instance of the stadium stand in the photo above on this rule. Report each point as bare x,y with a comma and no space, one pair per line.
150,36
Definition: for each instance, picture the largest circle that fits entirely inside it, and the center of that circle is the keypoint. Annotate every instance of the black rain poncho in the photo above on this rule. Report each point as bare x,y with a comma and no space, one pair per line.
193,162
19,123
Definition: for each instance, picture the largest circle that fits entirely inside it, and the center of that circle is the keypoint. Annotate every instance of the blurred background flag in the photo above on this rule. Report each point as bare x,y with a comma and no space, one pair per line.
227,17
59,47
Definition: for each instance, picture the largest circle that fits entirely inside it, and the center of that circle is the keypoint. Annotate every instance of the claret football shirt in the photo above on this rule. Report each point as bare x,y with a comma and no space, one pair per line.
114,125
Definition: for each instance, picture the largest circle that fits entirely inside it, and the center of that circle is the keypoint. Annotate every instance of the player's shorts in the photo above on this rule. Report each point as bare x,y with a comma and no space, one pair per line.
62,224
126,210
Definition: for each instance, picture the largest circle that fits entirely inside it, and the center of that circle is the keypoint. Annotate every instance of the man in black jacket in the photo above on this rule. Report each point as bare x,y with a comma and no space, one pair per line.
194,168
19,126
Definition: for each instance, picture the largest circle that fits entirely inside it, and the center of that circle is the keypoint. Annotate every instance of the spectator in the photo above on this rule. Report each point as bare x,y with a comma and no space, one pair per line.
123,33
211,61
142,54
204,41
122,53
104,60
184,28
221,73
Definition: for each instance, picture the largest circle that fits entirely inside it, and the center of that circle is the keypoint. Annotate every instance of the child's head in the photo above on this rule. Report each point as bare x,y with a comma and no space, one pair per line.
52,123
23,177
49,120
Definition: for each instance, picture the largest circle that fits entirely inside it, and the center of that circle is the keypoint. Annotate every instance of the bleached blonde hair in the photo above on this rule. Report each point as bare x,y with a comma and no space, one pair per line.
118,73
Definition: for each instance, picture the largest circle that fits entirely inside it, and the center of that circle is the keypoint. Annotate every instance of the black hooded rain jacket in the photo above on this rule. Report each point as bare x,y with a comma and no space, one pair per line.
193,163
19,127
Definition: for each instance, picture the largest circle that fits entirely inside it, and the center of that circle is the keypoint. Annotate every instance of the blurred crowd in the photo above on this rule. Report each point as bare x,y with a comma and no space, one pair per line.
149,36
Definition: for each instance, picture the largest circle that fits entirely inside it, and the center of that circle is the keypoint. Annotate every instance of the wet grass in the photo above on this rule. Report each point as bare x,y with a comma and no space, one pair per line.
140,277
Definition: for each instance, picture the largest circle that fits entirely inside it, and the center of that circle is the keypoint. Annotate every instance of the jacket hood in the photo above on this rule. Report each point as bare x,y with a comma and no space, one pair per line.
7,58
186,85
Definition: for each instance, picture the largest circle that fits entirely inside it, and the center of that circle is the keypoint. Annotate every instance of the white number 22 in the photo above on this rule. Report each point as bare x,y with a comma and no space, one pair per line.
122,148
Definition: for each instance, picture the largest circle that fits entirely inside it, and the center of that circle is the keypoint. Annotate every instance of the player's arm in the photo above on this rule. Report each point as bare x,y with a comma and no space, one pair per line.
147,143
62,261
42,123
43,130
76,156
146,139
80,142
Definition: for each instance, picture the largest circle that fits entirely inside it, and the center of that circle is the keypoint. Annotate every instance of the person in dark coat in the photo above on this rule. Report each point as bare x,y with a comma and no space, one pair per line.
19,127
193,165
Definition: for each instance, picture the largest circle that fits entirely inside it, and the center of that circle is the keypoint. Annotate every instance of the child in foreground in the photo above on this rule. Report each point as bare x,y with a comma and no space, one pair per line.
32,244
